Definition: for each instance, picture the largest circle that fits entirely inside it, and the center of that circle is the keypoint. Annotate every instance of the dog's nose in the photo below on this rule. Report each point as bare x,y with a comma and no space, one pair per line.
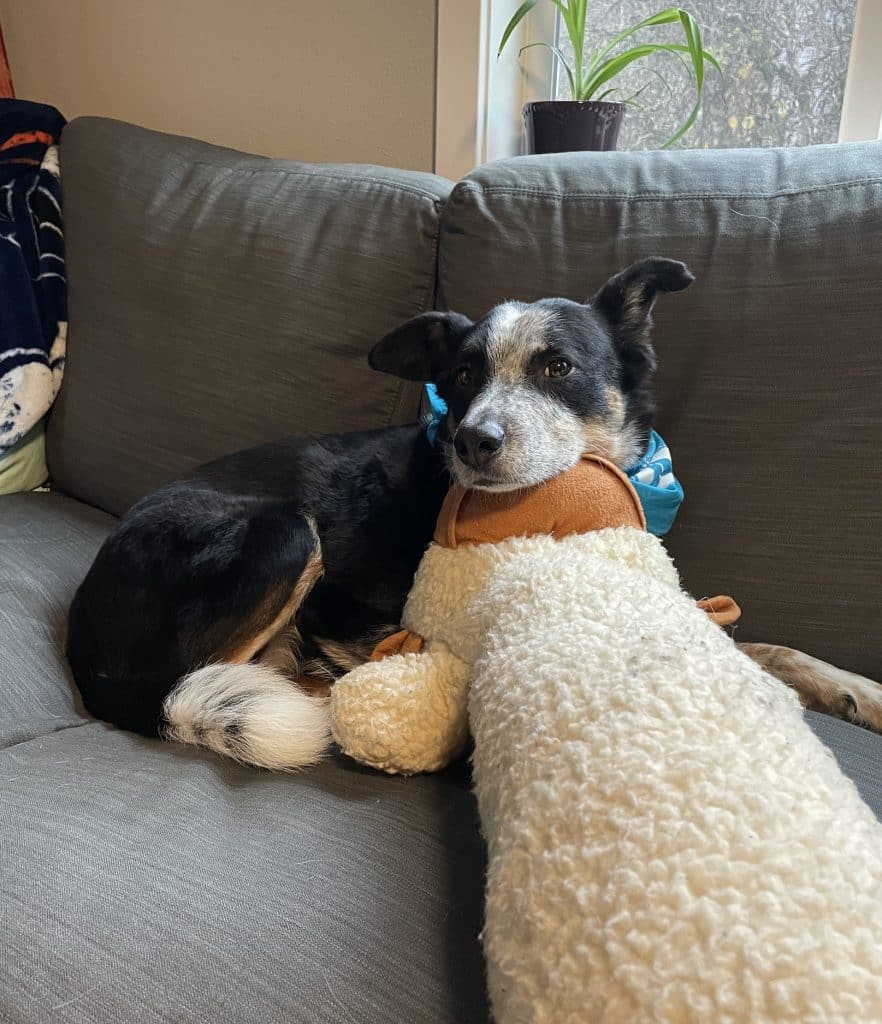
476,446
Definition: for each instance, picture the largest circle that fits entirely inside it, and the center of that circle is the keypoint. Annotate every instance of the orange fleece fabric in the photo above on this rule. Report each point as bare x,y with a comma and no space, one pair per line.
592,495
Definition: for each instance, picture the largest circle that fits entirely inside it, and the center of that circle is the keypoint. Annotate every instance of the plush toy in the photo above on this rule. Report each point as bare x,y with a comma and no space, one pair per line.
406,710
667,839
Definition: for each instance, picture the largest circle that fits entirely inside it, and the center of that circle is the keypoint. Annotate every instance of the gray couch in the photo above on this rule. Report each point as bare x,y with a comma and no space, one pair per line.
217,300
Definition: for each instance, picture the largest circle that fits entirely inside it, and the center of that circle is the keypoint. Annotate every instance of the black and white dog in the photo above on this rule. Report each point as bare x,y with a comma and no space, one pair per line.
223,604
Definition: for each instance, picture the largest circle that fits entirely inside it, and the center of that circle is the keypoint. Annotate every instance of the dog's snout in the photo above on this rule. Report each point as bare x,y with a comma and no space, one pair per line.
476,446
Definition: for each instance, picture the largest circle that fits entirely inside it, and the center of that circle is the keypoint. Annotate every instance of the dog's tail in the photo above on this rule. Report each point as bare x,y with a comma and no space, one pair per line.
251,713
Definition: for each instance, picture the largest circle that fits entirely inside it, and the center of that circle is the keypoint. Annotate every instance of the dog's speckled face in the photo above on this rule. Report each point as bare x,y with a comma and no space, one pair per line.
532,386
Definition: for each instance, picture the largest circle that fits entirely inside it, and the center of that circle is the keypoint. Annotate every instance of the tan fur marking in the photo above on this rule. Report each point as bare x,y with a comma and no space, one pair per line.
515,337
634,309
343,657
315,686
245,651
283,652
616,403
615,442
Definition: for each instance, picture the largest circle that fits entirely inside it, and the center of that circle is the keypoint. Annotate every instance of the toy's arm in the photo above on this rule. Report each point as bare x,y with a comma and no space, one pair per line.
405,714
722,610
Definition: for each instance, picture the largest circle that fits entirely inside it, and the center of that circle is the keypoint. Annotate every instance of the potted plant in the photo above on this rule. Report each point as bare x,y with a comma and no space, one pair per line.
589,120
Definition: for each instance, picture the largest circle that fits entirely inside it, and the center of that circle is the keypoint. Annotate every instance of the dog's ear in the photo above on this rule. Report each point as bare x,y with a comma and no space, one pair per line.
626,302
421,349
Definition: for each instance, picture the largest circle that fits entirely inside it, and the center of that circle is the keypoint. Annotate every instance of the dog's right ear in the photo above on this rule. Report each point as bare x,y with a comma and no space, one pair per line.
421,349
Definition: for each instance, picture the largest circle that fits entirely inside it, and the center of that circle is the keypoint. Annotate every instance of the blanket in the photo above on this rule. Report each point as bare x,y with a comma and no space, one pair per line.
33,285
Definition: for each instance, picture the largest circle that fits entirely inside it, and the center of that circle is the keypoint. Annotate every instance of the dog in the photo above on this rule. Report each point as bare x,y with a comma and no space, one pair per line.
224,604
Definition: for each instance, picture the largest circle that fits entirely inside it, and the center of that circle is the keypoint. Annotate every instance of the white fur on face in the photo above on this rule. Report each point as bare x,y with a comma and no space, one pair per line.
543,436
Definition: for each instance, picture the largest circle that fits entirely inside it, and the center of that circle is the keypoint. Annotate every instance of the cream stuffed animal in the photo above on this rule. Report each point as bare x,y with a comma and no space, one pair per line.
406,710
667,839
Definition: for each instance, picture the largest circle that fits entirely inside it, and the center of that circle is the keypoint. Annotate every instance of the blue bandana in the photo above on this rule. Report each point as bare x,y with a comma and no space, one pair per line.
659,491
437,412
653,479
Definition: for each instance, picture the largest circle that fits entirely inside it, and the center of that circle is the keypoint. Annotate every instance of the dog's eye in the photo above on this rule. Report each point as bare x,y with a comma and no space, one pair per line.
464,377
558,368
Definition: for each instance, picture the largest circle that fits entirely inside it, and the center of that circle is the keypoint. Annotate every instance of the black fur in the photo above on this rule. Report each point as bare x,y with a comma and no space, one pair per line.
192,559
606,339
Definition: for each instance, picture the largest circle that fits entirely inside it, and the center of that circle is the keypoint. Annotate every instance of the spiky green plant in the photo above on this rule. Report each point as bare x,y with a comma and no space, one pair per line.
589,77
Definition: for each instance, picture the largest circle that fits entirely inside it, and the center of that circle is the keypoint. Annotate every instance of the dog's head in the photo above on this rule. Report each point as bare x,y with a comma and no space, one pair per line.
532,386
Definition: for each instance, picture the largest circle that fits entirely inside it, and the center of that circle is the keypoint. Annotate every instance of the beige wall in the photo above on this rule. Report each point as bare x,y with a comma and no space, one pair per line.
305,79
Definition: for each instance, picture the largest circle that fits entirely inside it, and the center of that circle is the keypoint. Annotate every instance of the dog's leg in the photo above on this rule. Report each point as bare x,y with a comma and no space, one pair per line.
245,704
822,687
282,653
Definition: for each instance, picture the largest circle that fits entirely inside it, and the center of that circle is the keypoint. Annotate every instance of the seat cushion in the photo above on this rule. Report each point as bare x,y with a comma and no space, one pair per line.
146,883
770,364
47,543
218,300
858,752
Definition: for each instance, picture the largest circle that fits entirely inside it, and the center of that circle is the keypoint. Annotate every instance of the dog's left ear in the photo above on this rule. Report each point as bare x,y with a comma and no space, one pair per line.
626,302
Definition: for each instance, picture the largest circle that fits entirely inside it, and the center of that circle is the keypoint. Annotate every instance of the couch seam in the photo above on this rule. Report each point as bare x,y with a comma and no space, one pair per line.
436,201
473,187
318,179
47,735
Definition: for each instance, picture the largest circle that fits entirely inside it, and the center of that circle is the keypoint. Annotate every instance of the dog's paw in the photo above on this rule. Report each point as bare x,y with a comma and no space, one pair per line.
822,687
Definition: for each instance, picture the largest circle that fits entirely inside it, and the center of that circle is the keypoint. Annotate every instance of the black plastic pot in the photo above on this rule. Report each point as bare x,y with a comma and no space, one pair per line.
564,126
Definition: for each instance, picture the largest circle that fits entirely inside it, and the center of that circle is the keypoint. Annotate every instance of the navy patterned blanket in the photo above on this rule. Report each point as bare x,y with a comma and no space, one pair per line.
33,286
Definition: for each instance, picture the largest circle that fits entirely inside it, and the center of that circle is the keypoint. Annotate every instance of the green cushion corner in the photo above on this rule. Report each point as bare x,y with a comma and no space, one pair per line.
23,466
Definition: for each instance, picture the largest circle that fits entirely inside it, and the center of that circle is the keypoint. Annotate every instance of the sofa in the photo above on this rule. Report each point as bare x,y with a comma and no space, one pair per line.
218,300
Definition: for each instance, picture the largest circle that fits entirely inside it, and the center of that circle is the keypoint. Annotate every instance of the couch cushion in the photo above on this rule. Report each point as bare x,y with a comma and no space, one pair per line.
148,882
151,883
770,384
47,543
858,752
218,300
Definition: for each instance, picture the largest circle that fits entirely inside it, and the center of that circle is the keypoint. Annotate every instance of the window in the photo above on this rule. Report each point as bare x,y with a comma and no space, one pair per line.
796,72
784,71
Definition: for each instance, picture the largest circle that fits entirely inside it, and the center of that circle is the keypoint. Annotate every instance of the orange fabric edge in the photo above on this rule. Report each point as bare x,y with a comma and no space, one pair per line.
402,642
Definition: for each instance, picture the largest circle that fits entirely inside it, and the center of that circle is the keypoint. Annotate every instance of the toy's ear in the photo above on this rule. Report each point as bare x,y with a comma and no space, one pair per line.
422,348
626,302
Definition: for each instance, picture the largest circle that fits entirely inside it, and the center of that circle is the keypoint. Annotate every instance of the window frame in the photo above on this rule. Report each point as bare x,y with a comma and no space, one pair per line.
479,97
862,102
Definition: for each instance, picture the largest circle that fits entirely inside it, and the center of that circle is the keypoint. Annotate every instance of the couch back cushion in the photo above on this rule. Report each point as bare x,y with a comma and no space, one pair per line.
770,380
218,300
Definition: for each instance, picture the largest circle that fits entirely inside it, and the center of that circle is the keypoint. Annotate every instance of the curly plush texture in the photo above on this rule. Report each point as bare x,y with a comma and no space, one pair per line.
401,715
429,725
668,841
408,713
